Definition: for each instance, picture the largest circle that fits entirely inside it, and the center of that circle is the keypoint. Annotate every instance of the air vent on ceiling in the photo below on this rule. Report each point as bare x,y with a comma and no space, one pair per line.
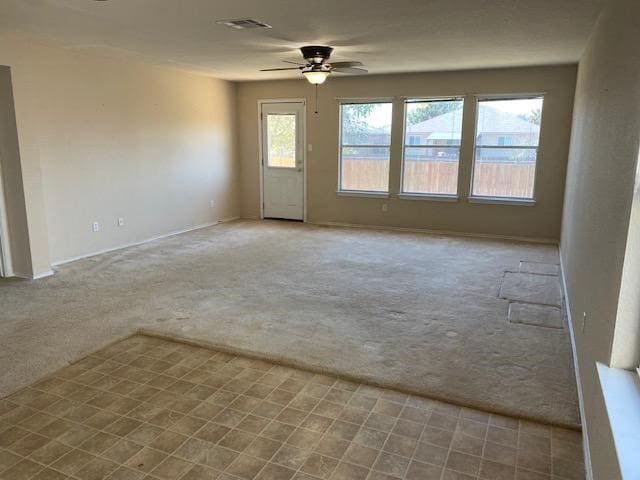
243,23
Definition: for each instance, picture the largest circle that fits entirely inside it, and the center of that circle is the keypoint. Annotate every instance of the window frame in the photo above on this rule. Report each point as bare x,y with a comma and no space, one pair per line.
446,197
363,193
488,199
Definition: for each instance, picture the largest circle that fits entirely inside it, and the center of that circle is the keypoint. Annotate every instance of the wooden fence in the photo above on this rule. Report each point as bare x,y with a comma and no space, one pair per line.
364,174
432,177
504,179
437,176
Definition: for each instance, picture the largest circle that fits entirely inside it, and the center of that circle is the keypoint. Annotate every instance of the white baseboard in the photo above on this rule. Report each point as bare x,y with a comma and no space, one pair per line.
48,273
229,219
29,276
576,369
141,242
549,241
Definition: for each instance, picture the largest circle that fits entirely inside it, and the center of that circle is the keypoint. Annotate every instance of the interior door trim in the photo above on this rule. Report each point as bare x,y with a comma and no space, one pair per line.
6,268
303,126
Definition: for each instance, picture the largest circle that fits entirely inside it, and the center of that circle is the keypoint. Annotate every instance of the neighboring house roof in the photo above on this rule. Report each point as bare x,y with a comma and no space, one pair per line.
500,121
447,122
445,136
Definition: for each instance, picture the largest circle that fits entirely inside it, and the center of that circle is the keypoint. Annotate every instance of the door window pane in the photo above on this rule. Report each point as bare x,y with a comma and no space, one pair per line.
365,133
433,129
507,138
281,140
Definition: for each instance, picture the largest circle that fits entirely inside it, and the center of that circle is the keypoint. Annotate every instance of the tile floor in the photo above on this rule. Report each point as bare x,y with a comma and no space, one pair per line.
147,408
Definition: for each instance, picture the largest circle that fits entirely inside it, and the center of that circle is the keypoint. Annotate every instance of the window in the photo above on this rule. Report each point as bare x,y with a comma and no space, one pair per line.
282,140
433,129
505,140
506,148
365,139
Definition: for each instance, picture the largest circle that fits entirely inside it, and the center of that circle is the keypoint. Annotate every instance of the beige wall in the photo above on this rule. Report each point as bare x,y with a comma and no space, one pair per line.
102,139
598,203
540,221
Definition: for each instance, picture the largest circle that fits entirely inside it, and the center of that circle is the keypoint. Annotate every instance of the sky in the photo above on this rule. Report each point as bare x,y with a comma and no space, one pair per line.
520,106
381,115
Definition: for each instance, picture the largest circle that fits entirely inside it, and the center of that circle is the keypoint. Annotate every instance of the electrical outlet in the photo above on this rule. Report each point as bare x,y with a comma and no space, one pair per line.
211,204
385,207
95,226
584,321
120,221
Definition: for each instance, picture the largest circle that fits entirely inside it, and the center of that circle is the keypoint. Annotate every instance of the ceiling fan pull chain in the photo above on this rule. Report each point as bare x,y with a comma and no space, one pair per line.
316,98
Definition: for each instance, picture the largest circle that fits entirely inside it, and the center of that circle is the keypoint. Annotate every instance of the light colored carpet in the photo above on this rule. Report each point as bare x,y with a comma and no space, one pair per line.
416,312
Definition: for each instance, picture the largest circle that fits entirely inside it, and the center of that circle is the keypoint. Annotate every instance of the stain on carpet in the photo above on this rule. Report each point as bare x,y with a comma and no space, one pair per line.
531,288
539,268
535,315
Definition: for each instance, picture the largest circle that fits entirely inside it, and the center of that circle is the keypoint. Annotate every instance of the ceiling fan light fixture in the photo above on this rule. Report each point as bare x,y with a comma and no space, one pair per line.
316,77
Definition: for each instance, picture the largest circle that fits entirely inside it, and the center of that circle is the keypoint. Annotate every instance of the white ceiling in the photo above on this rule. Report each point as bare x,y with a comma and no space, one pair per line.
387,35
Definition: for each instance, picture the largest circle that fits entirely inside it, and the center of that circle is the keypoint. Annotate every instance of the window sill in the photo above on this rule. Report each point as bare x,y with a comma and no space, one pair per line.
503,201
621,391
428,197
354,193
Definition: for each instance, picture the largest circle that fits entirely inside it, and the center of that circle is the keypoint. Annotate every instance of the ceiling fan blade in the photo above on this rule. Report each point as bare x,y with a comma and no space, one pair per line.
293,63
277,69
349,70
345,64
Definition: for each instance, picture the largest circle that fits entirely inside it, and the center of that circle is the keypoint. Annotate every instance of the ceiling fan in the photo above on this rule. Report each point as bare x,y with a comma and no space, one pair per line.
317,67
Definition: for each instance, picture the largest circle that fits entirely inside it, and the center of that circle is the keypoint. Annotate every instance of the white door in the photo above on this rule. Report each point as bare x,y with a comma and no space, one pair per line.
283,160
